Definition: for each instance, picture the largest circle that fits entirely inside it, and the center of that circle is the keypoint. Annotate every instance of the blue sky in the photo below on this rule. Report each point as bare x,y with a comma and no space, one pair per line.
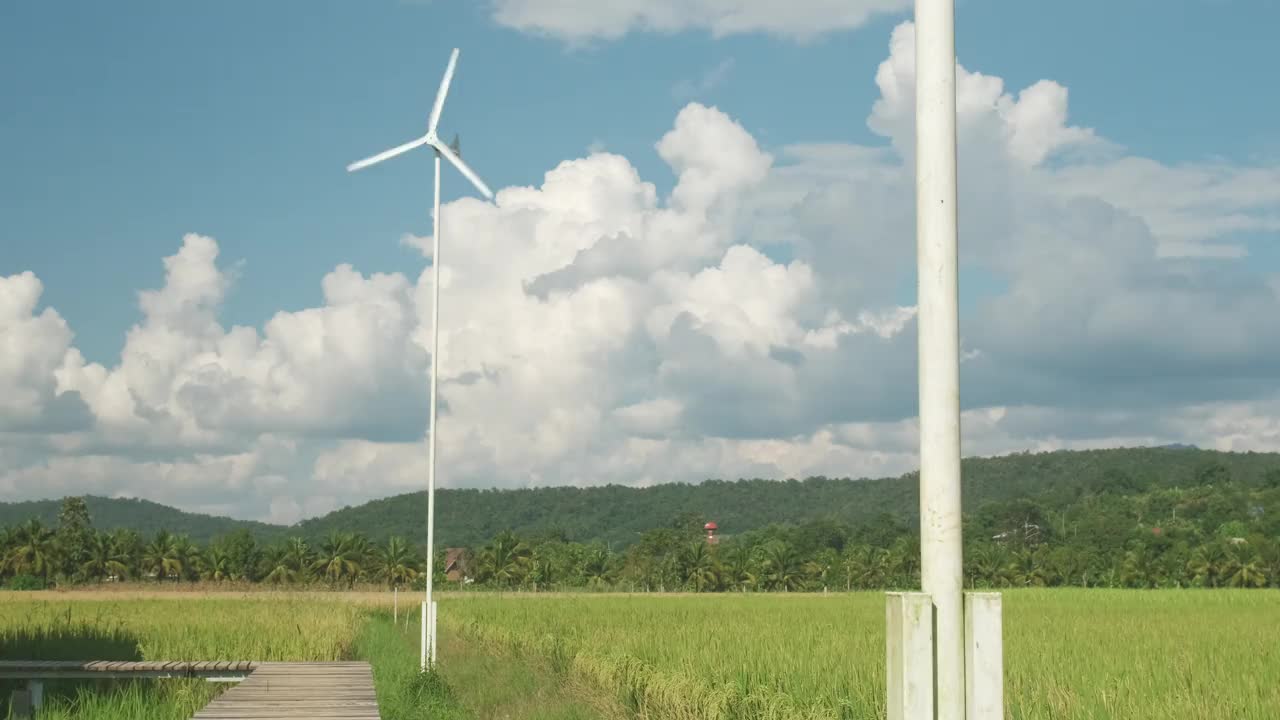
131,123
178,169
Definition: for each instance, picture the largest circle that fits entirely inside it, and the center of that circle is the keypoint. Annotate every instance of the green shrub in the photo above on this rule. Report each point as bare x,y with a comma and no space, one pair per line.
26,582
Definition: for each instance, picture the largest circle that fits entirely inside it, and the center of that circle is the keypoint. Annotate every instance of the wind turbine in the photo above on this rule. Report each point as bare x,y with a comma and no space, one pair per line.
453,156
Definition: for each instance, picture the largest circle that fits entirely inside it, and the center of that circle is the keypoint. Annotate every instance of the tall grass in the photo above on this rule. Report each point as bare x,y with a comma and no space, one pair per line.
127,700
251,628
404,692
1069,654
182,628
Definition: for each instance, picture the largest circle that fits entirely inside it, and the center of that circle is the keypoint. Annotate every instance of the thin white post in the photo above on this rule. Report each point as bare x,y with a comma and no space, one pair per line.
939,345
435,636
431,442
909,656
395,605
422,655
984,656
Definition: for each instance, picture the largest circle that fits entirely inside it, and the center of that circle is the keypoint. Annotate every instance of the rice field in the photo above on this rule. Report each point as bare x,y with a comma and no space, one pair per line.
1069,654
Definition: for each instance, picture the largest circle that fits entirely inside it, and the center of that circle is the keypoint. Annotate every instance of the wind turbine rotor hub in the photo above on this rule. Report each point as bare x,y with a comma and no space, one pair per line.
448,152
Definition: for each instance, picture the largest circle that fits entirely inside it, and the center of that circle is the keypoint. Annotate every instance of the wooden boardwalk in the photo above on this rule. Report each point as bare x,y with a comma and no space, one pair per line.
56,669
279,690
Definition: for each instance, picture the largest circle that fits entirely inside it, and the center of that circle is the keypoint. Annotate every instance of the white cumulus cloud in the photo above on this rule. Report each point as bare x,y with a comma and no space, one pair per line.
581,20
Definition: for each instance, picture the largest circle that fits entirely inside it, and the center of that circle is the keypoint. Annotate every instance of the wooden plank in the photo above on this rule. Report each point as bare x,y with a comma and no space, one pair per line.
52,669
283,691
268,714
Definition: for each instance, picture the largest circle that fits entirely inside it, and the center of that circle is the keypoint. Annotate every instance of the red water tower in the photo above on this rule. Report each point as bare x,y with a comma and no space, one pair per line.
711,528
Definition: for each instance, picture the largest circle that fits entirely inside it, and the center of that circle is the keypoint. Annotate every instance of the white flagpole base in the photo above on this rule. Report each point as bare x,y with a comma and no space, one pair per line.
984,656
910,650
909,655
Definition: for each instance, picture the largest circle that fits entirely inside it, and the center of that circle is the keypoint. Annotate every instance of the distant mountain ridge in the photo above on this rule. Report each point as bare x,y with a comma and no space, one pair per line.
618,514
142,515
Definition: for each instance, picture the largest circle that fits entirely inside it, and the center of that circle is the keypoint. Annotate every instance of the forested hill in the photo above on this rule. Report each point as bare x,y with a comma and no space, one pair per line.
1052,482
618,515
142,515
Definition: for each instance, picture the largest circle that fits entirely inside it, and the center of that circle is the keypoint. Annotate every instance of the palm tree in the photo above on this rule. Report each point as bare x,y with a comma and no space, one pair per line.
1207,564
33,551
821,569
104,558
595,566
130,545
738,570
987,565
215,564
1136,570
396,563
157,557
541,569
363,549
1244,568
780,567
505,561
698,566
185,557
902,562
864,566
1026,567
8,539
288,563
341,558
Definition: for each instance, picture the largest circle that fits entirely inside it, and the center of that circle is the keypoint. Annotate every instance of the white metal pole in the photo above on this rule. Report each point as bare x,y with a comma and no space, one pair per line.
435,610
939,345
422,656
395,605
431,442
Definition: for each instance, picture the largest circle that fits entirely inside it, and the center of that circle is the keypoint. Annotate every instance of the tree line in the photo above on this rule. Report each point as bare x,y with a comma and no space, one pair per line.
1117,530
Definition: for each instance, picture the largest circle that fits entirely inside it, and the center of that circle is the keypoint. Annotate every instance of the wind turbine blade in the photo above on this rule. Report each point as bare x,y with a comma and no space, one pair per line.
464,169
442,92
397,150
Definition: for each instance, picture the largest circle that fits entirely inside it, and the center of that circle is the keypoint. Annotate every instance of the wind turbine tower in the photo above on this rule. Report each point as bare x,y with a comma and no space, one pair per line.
427,655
